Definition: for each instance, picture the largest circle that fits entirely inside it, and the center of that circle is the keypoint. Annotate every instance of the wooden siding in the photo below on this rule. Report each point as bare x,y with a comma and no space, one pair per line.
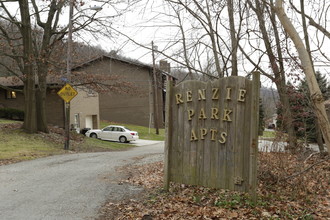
211,135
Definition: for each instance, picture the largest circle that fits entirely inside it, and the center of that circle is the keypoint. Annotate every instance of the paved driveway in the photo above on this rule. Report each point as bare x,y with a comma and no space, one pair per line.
72,186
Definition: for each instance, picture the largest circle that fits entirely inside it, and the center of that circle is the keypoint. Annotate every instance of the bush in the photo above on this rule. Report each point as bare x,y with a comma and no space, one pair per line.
13,114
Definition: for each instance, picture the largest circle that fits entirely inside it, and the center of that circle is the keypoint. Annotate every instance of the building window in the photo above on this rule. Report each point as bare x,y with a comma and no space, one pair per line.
10,94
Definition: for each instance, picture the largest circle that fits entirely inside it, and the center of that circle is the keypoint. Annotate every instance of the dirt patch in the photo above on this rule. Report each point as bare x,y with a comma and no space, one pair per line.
139,180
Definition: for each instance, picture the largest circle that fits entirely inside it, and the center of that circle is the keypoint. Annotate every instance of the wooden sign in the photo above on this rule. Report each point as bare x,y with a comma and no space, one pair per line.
211,133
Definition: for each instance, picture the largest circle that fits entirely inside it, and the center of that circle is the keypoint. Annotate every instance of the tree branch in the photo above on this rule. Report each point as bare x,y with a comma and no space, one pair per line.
303,171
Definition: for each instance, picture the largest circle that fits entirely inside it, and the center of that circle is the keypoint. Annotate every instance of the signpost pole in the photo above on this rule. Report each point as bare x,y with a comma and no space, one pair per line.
68,72
67,93
67,124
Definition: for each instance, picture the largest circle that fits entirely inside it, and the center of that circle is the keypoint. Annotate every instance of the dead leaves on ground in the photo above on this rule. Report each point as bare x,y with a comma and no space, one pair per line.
305,195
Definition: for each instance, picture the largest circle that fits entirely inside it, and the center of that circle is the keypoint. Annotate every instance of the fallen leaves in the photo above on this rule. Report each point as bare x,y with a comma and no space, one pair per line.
304,196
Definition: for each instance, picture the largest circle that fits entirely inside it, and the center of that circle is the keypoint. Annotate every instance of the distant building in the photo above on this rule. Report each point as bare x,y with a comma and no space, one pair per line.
137,105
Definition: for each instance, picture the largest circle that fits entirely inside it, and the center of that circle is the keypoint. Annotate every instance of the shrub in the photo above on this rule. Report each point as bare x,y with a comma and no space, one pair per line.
10,113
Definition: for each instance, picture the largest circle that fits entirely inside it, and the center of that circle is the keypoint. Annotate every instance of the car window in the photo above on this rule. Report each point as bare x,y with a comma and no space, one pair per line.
107,129
120,129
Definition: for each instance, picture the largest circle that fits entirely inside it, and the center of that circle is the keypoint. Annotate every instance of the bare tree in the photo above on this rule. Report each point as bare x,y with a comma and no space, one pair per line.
306,64
30,124
39,31
233,37
204,35
270,37
319,137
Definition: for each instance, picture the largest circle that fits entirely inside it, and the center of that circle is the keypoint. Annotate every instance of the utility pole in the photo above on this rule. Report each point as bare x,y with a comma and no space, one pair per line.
68,79
68,72
155,97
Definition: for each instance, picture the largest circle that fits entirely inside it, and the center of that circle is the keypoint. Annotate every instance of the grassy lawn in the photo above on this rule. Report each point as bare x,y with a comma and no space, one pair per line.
143,131
16,145
7,121
92,145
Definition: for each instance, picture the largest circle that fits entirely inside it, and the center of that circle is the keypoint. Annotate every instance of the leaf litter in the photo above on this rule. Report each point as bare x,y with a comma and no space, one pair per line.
289,187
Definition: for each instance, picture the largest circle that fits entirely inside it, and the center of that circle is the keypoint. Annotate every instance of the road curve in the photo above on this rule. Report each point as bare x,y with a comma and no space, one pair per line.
71,186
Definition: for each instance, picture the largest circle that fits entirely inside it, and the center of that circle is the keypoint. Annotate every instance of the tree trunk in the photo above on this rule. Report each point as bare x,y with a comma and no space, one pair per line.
184,44
278,70
319,137
41,104
30,120
287,116
316,95
233,39
213,41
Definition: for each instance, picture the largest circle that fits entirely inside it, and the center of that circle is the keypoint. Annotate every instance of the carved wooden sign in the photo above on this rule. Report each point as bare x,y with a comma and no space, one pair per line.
211,133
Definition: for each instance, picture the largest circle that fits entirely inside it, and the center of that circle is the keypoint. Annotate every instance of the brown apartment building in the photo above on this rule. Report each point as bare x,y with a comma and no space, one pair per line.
136,103
132,102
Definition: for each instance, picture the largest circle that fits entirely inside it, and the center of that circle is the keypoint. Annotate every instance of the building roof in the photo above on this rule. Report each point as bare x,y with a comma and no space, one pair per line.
14,81
11,81
120,59
117,58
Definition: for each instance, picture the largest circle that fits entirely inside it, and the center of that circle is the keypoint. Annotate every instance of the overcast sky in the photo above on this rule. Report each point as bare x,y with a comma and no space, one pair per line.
144,22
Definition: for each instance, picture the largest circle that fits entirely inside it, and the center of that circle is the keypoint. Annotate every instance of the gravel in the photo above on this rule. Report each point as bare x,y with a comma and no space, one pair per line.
72,186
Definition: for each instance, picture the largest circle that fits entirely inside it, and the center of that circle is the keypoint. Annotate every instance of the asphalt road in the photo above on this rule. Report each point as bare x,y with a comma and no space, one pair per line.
72,186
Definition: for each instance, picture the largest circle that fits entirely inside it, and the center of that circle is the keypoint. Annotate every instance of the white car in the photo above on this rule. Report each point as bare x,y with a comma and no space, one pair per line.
114,133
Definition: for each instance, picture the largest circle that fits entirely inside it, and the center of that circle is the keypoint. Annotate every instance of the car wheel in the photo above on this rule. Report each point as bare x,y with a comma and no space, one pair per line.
93,135
122,139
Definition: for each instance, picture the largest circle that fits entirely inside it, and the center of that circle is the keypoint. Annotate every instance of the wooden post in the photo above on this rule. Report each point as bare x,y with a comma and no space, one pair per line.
68,76
155,89
168,133
254,135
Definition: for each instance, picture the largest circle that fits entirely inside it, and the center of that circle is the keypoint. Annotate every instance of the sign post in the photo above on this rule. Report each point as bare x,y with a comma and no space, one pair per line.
67,93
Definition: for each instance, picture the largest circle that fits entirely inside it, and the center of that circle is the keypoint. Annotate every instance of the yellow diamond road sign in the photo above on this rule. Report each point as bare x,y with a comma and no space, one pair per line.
67,92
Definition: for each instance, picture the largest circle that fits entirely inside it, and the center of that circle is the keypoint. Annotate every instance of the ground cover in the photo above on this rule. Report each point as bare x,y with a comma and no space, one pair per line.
289,187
